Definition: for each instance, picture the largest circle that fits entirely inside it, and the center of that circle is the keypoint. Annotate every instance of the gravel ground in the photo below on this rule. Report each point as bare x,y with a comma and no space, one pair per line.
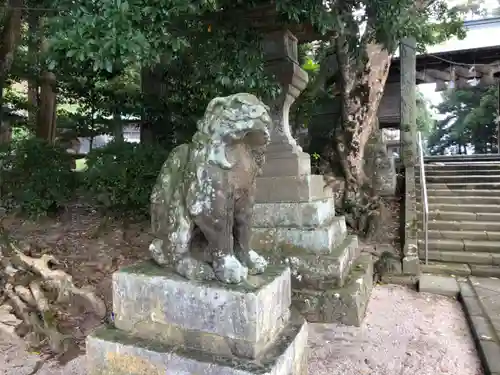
405,333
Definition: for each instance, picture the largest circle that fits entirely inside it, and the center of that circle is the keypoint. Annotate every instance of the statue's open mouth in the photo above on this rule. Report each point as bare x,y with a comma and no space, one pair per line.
258,136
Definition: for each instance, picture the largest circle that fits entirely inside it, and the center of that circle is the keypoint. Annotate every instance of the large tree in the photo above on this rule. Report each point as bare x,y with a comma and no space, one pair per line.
353,69
201,57
469,124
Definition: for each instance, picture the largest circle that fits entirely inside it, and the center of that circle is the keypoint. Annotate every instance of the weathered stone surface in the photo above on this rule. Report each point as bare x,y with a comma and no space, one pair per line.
305,215
451,269
485,271
285,160
113,352
462,257
411,262
154,303
443,285
346,305
379,166
300,240
203,197
490,352
317,271
324,271
406,280
301,188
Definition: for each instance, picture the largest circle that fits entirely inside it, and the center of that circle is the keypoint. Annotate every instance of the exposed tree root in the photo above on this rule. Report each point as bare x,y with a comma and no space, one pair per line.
34,295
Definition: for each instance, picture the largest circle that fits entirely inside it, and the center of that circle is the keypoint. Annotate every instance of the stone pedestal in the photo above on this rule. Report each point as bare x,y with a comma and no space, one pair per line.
294,220
165,324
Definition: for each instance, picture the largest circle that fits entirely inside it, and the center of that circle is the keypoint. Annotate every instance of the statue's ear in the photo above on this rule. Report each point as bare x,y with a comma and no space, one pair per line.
213,112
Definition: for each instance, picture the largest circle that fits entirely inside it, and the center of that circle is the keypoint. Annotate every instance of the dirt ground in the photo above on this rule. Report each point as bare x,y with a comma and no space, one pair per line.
404,333
89,248
430,332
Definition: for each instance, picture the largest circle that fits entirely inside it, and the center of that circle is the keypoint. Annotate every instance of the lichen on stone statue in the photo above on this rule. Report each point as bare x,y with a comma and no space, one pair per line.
202,203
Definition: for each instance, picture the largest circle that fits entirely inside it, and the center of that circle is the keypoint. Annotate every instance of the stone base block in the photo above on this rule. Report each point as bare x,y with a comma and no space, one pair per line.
317,271
313,214
285,160
154,303
114,352
295,188
320,240
345,305
324,271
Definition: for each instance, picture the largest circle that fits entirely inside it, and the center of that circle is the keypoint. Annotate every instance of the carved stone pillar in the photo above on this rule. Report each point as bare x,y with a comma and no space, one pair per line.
284,156
294,218
407,48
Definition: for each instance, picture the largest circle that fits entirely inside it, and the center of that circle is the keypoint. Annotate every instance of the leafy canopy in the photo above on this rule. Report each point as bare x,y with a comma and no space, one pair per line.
469,121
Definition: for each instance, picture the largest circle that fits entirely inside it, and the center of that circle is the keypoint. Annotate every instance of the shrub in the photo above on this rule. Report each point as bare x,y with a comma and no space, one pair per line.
120,177
35,177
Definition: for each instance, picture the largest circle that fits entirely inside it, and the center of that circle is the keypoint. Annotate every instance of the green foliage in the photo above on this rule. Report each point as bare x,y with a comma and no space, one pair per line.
21,134
120,177
425,121
35,177
469,123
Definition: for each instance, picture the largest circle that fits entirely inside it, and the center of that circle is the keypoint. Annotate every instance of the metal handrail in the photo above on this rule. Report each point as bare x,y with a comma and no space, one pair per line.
425,203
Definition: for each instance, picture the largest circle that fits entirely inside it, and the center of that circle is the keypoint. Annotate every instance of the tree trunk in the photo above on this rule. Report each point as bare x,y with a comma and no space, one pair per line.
362,88
117,127
33,53
9,37
46,119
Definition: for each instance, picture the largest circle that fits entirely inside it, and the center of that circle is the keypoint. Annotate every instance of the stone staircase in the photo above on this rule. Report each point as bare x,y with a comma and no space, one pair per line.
464,215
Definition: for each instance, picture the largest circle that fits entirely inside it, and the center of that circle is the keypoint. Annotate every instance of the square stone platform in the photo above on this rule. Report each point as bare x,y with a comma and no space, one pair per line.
165,324
294,224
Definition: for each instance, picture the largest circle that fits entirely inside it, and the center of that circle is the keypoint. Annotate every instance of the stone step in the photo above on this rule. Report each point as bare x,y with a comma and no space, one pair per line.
462,166
478,179
459,172
453,186
461,257
450,159
475,226
462,235
460,269
450,269
461,216
462,207
470,246
459,192
485,270
469,200
346,305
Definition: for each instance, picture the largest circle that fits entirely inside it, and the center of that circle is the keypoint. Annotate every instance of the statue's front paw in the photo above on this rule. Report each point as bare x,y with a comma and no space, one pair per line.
229,270
256,263
156,251
194,269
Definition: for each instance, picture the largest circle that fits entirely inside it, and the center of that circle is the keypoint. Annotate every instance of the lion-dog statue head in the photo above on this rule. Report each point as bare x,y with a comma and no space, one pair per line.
201,205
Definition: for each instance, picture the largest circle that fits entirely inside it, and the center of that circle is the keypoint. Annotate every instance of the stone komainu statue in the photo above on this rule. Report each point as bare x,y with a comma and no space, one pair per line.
201,205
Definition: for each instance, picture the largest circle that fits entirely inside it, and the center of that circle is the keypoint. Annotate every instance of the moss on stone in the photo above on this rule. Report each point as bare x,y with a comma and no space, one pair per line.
252,284
262,366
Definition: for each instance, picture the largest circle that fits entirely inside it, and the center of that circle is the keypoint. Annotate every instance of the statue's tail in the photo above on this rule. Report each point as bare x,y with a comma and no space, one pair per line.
168,183
167,206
